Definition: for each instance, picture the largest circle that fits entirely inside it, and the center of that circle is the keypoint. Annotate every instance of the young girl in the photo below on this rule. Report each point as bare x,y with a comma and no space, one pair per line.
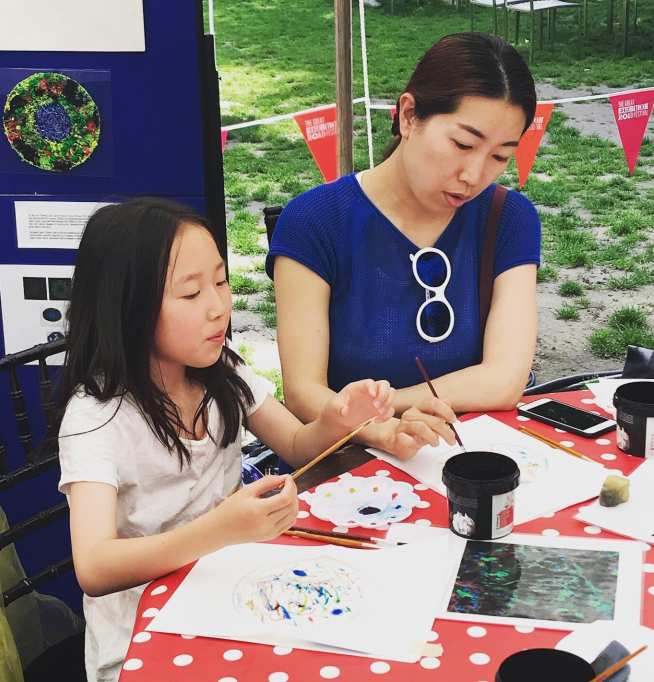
154,402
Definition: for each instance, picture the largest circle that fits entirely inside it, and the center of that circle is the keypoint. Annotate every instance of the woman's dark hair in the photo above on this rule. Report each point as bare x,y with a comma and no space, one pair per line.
467,64
117,291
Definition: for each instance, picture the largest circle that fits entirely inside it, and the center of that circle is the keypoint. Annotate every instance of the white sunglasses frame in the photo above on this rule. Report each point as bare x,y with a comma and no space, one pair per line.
438,293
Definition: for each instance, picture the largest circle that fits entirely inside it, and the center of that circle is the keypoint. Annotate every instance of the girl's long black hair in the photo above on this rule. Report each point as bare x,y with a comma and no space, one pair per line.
117,292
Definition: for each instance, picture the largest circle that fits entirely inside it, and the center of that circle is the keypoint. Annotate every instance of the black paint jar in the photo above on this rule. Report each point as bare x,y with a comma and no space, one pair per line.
544,665
480,494
634,405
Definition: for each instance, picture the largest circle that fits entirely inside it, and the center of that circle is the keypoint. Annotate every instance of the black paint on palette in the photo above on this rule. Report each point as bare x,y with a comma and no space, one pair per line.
543,583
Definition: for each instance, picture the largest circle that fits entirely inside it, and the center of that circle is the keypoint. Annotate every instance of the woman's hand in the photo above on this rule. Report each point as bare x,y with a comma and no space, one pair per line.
424,424
357,402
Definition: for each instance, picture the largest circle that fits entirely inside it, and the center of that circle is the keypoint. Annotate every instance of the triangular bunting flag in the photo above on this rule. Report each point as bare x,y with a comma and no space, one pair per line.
319,131
223,140
525,154
632,113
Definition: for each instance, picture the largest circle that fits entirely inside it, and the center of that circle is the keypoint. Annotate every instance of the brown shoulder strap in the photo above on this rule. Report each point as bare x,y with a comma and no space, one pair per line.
488,255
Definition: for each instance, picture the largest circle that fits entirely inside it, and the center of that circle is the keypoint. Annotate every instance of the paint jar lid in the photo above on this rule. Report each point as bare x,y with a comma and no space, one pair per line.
544,665
473,473
636,398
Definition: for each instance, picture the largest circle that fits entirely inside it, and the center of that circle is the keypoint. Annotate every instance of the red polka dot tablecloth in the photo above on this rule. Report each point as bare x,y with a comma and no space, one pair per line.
471,652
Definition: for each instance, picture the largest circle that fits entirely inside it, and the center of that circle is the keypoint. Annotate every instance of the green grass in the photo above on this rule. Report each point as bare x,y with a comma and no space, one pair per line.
567,312
240,304
570,288
626,326
547,273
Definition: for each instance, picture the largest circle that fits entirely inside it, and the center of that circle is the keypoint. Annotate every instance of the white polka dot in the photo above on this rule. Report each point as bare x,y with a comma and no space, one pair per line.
549,515
133,664
648,568
303,514
379,667
567,443
587,401
524,629
522,418
150,613
429,663
233,655
382,472
140,637
645,547
340,529
227,679
476,631
592,530
423,504
420,486
594,412
329,672
182,660
278,677
423,522
559,430
608,456
282,650
479,659
188,636
432,636
159,590
651,590
603,441
550,532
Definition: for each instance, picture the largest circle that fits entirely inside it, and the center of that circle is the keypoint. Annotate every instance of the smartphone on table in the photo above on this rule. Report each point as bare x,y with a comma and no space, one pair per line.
567,417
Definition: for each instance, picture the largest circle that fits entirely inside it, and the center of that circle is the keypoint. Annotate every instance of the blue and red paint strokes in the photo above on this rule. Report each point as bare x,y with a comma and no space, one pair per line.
305,593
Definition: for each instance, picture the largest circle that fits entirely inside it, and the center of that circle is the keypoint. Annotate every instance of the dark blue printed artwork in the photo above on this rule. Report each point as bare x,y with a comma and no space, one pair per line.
540,583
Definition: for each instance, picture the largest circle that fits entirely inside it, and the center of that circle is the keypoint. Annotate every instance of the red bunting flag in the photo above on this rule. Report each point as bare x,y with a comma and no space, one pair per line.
223,140
632,113
392,111
525,154
319,131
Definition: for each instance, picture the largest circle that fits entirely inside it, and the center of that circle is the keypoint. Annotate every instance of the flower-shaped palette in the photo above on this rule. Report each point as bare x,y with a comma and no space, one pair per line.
367,502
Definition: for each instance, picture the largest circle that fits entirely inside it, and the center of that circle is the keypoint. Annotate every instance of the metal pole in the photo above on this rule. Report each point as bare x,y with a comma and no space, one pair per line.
366,85
344,117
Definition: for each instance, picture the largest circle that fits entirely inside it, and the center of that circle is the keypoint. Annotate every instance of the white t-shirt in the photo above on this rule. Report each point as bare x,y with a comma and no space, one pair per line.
154,495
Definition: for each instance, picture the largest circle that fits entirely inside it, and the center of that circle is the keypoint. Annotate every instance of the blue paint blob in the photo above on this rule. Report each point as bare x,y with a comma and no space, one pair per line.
300,572
52,122
337,612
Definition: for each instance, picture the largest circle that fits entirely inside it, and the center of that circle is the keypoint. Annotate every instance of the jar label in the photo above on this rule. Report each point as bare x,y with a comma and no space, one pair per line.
502,514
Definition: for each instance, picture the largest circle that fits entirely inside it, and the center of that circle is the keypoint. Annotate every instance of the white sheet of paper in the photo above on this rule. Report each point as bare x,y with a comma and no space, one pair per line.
52,224
398,592
29,321
603,390
634,518
550,479
72,26
627,602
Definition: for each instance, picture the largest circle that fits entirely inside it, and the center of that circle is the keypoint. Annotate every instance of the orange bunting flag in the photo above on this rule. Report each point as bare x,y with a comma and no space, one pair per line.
319,131
223,140
525,154
632,113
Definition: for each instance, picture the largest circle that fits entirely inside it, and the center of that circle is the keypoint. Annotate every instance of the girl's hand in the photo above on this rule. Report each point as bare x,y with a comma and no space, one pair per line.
357,402
246,516
423,424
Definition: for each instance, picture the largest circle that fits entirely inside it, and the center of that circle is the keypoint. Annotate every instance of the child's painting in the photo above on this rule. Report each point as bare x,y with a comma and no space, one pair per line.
548,581
364,501
303,592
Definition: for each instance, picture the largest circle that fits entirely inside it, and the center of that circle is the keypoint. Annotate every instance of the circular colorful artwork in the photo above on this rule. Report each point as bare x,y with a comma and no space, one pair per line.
51,121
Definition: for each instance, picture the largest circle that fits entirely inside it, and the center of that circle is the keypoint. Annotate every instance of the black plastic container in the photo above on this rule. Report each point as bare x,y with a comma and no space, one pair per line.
544,665
480,495
634,404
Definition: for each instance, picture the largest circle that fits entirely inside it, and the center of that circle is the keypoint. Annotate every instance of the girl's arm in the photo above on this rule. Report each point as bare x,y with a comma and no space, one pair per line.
509,344
105,563
304,359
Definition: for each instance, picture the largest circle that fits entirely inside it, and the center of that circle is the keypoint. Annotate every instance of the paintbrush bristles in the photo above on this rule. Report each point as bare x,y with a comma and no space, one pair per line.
298,472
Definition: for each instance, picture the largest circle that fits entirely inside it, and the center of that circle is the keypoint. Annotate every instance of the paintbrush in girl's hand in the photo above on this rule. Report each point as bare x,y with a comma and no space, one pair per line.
425,376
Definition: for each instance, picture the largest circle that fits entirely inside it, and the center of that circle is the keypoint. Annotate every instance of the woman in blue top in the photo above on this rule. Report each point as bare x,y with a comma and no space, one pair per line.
358,261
